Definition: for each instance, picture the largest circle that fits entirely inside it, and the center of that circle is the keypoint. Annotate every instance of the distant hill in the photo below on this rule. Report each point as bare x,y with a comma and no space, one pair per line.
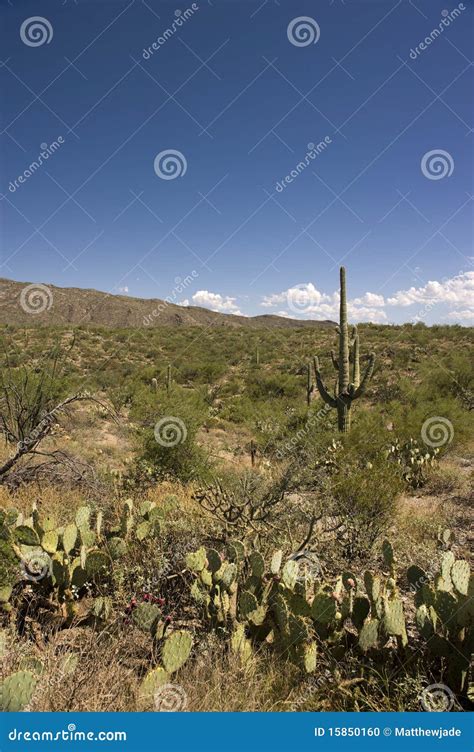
63,306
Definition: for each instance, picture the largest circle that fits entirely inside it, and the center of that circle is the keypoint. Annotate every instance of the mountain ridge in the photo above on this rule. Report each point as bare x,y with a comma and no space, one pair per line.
44,304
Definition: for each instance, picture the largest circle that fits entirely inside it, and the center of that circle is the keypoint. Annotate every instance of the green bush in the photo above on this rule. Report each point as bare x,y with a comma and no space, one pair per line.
364,500
167,433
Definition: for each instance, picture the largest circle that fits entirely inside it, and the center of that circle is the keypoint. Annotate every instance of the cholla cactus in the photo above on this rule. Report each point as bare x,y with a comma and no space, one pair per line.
349,386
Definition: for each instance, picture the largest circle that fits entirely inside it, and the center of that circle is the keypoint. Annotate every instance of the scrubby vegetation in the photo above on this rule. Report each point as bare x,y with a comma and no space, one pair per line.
185,526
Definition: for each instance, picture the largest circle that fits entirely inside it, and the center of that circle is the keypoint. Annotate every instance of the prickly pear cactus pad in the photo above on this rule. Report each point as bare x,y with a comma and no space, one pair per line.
16,691
146,616
323,608
197,561
176,650
154,679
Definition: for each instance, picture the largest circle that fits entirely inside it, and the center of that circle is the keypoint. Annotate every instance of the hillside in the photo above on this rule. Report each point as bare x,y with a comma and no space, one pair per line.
62,306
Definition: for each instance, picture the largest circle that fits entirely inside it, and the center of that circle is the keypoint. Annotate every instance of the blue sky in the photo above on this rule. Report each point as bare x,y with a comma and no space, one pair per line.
239,89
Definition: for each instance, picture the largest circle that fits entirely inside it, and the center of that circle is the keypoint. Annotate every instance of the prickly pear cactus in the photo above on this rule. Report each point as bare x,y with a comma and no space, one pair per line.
445,617
369,635
16,691
146,617
154,679
176,650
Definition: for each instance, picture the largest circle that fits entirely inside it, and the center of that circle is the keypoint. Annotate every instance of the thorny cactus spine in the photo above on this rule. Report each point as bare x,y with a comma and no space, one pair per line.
347,389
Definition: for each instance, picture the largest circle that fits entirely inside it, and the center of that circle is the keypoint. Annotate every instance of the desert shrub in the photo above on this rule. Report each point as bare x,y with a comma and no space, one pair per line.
419,413
27,393
365,502
452,377
167,432
207,372
267,385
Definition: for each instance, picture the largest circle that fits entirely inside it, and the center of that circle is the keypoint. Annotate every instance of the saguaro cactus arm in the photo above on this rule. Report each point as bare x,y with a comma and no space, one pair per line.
335,361
325,396
366,377
355,360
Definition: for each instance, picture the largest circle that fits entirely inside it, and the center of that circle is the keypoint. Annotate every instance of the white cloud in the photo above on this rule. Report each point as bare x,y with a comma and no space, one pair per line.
216,302
123,290
366,313
307,291
305,300
285,314
458,290
184,302
467,315
371,299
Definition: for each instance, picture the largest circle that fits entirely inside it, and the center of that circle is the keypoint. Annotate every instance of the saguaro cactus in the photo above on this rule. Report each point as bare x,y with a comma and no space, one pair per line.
168,377
347,389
